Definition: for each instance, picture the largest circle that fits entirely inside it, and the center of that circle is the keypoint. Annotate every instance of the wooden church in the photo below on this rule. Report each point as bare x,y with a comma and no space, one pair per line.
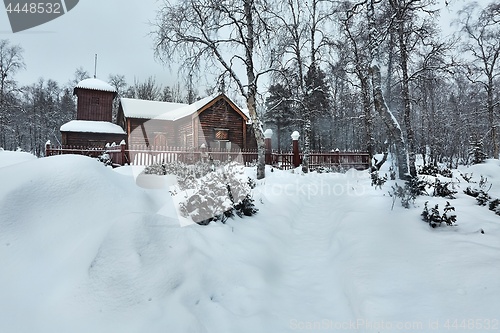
93,126
214,121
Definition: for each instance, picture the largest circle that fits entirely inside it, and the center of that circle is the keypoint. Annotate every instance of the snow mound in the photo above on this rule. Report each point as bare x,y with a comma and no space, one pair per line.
84,249
10,157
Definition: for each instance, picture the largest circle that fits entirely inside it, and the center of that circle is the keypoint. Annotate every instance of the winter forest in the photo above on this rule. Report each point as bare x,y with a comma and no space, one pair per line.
368,75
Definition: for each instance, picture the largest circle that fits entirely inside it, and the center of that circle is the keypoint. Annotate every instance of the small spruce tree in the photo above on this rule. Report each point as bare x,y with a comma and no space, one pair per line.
476,152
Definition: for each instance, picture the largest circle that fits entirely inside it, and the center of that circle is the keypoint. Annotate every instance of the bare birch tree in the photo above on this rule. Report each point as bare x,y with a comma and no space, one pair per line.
231,36
364,40
11,61
303,42
483,45
412,28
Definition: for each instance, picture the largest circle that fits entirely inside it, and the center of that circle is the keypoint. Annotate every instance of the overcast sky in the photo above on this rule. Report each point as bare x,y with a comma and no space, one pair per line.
116,30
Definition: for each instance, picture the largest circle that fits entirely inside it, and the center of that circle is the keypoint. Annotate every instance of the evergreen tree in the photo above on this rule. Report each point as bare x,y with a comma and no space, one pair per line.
279,110
476,152
317,101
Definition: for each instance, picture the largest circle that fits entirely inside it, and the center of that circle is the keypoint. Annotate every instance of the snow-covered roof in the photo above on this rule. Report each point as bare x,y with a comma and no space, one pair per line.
89,126
95,84
188,110
143,109
246,113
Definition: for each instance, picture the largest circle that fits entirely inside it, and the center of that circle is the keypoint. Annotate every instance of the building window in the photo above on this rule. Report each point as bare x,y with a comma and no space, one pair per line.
221,134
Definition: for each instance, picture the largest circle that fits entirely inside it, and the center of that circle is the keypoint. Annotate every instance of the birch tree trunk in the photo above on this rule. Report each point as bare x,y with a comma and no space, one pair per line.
390,121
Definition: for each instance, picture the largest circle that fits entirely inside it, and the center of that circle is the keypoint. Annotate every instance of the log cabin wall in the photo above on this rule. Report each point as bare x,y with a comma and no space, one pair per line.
83,139
221,116
94,105
147,131
184,132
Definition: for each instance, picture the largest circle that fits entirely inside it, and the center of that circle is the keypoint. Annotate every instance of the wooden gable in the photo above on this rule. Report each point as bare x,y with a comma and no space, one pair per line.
220,121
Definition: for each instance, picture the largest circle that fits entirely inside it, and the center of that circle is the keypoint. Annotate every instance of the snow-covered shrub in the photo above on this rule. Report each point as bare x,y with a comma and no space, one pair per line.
404,194
377,181
414,187
480,191
210,202
246,207
329,169
493,206
434,217
445,172
433,170
442,190
105,159
471,192
467,177
219,195
251,182
213,191
483,198
449,218
155,169
428,169
392,173
186,174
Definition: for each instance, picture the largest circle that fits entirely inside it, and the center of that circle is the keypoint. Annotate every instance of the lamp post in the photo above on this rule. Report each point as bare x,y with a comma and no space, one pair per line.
296,158
268,134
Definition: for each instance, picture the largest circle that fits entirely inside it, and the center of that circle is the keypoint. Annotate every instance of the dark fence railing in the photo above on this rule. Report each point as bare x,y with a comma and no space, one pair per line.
146,155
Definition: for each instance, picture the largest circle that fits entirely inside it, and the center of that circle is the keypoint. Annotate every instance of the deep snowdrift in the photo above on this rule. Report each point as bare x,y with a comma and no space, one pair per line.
83,249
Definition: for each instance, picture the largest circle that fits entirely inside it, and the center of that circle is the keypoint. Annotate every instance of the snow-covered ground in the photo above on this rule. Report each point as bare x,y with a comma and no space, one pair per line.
84,249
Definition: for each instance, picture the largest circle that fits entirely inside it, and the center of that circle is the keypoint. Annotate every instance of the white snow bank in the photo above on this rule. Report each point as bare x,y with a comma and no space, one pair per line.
10,157
90,126
83,249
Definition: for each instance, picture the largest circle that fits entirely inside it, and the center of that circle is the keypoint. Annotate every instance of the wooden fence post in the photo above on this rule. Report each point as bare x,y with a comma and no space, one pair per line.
268,134
123,145
203,153
296,157
47,148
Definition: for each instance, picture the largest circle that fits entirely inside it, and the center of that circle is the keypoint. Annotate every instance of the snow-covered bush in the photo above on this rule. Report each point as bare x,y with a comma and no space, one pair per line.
480,192
448,217
483,198
434,217
494,204
433,170
392,173
186,174
414,187
329,169
377,181
213,191
105,159
428,169
219,195
441,189
445,172
404,194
